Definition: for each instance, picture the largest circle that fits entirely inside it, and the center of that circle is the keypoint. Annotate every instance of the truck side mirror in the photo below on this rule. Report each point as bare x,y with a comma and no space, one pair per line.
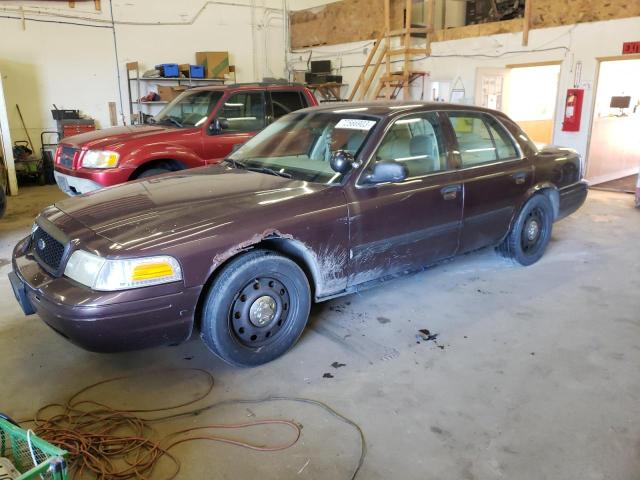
218,125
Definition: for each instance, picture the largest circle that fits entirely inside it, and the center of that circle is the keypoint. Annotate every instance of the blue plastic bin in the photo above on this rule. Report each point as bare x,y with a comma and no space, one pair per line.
196,71
168,70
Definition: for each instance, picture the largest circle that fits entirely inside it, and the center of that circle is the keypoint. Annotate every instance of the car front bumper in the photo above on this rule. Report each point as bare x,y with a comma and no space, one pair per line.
84,180
104,321
75,185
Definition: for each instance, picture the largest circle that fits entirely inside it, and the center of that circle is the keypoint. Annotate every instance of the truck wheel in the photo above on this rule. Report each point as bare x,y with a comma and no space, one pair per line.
530,233
151,172
256,309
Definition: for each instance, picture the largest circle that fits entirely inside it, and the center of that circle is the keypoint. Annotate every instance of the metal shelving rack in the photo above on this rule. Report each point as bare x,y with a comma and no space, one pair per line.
134,78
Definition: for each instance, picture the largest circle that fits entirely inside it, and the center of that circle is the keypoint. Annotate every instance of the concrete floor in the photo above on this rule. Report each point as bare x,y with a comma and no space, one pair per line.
538,376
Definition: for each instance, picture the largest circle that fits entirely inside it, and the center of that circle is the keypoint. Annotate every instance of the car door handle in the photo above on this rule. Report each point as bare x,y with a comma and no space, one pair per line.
520,177
450,192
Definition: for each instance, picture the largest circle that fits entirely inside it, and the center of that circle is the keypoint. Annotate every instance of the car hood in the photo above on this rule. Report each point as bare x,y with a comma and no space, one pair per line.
192,200
115,137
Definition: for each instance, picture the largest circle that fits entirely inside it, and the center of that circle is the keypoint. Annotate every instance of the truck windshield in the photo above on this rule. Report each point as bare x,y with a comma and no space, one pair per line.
189,109
299,145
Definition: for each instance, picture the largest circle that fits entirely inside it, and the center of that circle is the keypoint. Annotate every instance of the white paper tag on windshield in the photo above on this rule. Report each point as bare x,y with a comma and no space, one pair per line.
355,124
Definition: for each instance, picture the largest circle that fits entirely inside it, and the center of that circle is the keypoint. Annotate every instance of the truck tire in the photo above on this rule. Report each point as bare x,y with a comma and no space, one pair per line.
530,233
152,172
256,309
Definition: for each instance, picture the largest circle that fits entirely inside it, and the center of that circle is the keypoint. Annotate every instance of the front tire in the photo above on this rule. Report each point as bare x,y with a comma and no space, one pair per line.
530,233
152,172
256,309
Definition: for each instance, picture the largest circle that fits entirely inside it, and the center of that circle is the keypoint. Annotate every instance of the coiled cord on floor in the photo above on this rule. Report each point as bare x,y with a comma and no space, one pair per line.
117,444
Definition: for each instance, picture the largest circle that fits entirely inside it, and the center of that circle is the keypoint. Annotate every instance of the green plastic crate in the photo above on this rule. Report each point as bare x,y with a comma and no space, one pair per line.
14,445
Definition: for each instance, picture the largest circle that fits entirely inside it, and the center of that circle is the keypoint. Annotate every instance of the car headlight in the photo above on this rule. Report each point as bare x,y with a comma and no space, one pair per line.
100,159
103,274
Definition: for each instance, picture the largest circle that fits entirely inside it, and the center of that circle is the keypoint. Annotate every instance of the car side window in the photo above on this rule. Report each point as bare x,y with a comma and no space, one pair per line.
505,148
286,102
244,112
416,142
481,139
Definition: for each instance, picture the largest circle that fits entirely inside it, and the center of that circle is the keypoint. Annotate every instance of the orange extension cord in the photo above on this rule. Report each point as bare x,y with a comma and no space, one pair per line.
111,444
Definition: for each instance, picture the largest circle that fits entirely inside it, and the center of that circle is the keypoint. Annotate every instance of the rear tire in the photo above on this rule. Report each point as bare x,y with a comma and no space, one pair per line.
530,233
256,309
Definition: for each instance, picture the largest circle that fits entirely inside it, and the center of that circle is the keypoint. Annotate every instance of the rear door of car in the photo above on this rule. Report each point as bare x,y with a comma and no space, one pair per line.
409,224
495,175
283,101
245,113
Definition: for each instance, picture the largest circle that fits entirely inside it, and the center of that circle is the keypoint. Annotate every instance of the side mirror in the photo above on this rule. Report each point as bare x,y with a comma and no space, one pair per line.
218,125
342,161
387,172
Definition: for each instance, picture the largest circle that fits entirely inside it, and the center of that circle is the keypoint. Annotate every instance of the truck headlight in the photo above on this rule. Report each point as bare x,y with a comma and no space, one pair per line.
100,159
103,274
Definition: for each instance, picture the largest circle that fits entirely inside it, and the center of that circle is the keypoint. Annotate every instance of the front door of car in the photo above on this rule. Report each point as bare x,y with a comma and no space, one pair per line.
240,117
495,175
398,226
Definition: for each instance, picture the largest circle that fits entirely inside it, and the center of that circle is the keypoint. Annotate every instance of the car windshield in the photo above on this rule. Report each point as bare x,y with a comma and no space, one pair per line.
189,109
299,145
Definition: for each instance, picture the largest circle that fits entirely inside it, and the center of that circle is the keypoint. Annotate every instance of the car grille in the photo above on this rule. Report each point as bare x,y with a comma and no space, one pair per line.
47,249
66,156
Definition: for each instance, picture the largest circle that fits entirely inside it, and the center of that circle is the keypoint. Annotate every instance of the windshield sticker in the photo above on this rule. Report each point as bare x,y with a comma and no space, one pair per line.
355,124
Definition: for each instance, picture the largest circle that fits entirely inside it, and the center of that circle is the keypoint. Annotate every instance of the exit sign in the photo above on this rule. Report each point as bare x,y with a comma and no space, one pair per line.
630,47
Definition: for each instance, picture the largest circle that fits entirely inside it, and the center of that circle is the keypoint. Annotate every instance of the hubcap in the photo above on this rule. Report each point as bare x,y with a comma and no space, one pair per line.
533,231
262,311
259,312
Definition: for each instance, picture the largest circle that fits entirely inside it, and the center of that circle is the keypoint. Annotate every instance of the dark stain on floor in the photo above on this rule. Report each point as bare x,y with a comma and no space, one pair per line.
383,320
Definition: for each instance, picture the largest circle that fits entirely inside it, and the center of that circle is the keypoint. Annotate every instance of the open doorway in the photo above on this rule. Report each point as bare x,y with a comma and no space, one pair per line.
614,147
527,93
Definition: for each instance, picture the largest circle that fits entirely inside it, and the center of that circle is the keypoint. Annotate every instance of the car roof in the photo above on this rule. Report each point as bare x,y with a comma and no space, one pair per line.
392,108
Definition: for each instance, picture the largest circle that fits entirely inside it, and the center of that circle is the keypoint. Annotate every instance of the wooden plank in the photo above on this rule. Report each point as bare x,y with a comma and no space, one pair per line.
407,55
98,5
387,50
6,144
409,51
534,64
113,114
72,4
359,20
370,57
526,22
363,93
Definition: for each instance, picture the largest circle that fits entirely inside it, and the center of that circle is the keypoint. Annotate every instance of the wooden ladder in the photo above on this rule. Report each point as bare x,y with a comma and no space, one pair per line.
391,83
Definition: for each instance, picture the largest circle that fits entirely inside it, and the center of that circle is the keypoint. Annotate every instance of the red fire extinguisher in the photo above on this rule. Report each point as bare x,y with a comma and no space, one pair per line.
573,110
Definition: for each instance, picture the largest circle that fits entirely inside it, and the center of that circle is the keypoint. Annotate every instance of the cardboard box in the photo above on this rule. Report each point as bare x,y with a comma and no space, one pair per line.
168,93
298,77
216,64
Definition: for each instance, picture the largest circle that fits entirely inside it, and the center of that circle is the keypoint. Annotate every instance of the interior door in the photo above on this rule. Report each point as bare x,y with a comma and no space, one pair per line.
410,224
492,88
495,176
241,115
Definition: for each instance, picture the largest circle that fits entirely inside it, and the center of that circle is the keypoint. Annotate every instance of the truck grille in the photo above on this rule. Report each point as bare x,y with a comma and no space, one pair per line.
66,156
48,250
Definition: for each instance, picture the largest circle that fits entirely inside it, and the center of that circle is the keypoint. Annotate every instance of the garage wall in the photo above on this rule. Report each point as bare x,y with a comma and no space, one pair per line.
67,56
456,61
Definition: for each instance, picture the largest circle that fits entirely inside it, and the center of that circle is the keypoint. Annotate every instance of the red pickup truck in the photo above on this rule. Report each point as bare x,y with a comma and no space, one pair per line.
200,127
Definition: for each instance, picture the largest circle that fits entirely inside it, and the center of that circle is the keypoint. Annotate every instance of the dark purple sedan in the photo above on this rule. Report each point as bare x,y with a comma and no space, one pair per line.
324,202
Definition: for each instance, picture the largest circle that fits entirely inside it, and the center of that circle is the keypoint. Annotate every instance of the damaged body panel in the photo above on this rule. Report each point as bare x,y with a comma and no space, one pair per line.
321,203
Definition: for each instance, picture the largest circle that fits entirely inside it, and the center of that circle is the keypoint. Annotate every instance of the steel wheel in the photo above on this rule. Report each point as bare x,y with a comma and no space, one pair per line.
259,312
533,230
